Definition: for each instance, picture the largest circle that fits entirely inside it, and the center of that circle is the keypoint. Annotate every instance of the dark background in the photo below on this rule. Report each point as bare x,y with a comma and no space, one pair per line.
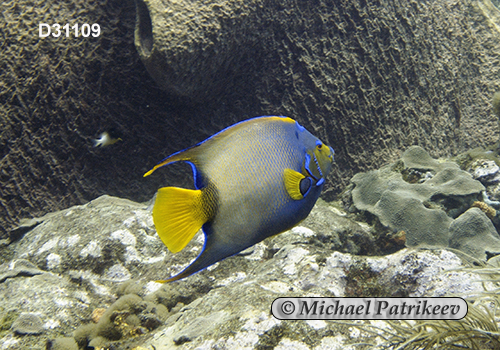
370,78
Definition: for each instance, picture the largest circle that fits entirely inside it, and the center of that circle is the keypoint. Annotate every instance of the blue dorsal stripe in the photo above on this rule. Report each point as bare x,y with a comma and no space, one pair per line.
234,125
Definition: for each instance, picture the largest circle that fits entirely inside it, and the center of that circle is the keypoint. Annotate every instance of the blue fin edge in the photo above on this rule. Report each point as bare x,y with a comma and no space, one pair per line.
220,132
197,178
207,231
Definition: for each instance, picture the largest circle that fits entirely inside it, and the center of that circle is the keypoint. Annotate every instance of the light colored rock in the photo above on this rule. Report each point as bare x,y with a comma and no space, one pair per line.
486,171
224,307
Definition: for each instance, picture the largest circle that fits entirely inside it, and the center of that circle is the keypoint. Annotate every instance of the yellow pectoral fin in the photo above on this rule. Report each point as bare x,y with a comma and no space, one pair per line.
292,183
178,214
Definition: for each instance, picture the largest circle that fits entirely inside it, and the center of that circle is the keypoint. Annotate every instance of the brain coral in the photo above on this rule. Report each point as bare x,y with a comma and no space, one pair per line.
429,200
28,323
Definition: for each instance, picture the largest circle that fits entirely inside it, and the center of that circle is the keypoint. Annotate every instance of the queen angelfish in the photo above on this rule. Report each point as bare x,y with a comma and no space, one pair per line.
253,180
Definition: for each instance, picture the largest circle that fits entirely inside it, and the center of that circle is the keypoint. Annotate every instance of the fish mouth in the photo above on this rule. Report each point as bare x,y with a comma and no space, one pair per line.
332,152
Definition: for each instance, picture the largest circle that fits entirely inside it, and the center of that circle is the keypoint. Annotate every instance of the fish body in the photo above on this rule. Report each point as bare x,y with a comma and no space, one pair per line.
253,180
105,139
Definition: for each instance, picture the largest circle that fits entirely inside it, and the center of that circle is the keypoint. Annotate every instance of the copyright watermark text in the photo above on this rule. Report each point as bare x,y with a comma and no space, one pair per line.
369,308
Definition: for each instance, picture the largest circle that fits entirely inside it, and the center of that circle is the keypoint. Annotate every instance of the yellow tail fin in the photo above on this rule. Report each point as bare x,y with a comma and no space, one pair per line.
178,214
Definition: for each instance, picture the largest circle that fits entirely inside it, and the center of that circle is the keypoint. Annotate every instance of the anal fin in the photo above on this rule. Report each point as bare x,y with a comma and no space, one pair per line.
214,250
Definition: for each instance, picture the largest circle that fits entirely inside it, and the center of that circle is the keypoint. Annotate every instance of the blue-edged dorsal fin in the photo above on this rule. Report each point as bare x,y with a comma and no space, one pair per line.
192,154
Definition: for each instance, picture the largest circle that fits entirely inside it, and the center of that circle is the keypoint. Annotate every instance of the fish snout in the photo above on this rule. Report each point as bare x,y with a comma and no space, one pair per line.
332,152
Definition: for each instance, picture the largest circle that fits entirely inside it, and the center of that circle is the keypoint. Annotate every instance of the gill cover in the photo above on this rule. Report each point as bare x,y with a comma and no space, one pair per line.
318,162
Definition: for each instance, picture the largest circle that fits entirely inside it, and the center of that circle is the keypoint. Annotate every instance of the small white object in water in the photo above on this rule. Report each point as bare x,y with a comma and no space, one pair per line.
105,140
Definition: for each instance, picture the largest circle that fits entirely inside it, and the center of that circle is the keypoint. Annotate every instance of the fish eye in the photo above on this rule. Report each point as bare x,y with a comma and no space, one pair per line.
319,145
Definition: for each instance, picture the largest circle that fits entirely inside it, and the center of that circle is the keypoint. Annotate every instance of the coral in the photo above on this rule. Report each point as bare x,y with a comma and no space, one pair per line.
27,323
67,343
83,334
474,233
489,211
421,225
430,206
128,317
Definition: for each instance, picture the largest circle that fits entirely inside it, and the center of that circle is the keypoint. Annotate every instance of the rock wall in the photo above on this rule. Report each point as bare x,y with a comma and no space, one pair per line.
57,94
368,77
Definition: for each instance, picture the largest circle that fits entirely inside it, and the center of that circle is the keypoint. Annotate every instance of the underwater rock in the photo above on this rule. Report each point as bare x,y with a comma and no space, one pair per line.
18,267
239,311
424,198
486,171
224,305
58,96
58,301
189,47
482,164
68,266
87,238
